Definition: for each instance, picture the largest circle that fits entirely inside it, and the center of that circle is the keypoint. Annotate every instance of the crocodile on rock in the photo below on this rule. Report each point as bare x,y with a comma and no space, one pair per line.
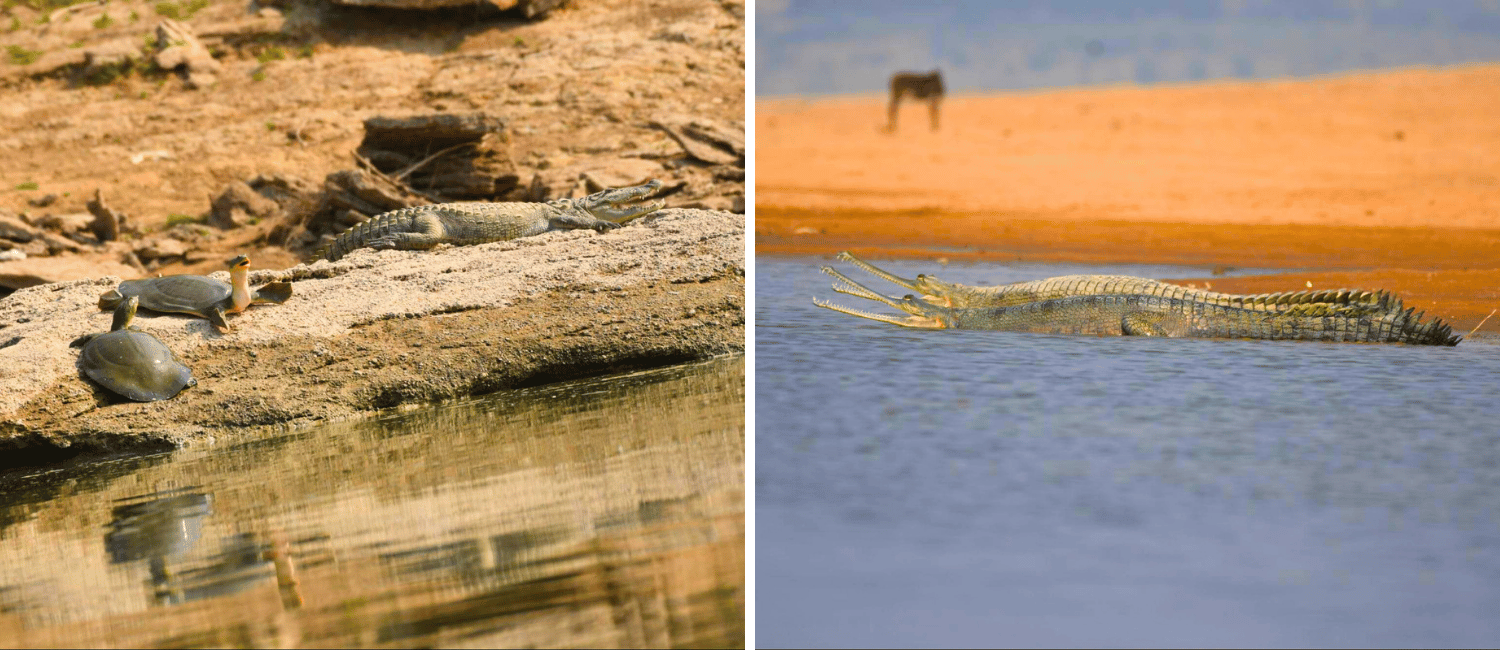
460,224
1131,306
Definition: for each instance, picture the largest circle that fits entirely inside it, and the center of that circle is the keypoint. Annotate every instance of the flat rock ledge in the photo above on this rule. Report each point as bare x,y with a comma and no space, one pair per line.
383,329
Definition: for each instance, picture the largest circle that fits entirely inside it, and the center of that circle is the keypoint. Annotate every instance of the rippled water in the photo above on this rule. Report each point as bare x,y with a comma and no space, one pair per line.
990,488
599,513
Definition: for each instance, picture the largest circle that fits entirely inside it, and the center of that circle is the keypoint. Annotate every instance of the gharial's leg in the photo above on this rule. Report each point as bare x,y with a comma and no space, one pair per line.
578,221
932,110
428,233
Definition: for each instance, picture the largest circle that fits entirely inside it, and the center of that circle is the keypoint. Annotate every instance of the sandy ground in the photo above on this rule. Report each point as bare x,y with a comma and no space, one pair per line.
380,329
1379,180
577,91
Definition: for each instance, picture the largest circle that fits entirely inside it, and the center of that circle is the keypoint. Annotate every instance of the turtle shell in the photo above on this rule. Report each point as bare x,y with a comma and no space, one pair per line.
178,294
135,365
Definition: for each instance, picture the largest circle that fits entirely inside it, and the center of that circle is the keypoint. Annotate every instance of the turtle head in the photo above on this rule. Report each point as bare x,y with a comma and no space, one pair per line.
111,299
125,313
239,281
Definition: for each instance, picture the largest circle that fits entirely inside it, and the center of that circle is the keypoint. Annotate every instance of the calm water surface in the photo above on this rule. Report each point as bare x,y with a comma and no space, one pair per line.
599,513
990,488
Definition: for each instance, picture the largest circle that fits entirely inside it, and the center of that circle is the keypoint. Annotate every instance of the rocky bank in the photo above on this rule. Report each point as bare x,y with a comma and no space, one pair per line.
383,329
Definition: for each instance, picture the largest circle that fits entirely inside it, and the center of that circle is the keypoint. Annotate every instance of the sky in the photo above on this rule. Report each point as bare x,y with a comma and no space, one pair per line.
817,47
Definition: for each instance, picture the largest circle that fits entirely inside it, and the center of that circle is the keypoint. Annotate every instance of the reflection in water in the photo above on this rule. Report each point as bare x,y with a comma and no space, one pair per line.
597,513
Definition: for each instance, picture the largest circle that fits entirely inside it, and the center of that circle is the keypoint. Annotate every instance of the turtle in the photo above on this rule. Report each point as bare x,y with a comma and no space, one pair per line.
132,363
199,295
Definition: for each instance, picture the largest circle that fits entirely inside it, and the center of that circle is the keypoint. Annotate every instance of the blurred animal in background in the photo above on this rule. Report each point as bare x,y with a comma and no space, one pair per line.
926,87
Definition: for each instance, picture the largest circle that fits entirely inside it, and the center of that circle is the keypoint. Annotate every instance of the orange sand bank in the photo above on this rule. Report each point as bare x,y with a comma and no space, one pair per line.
1381,180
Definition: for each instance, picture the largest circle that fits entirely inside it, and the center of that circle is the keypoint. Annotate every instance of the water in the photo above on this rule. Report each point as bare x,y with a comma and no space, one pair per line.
919,487
598,513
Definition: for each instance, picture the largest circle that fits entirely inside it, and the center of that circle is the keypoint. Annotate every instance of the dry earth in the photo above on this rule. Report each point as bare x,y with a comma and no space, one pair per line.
580,92
382,329
1373,180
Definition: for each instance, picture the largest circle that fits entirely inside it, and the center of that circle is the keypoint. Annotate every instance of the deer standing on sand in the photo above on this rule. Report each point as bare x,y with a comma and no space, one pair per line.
921,86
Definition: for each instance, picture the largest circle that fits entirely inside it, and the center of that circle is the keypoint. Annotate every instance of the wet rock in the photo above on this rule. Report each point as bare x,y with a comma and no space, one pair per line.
182,51
238,205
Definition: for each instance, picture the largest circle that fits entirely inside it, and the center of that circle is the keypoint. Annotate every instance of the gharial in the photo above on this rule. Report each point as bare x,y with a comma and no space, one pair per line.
199,295
1131,306
425,226
130,362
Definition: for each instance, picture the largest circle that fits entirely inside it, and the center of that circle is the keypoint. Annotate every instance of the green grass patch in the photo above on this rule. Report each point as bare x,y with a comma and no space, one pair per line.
21,56
28,185
104,22
258,75
179,219
180,10
273,53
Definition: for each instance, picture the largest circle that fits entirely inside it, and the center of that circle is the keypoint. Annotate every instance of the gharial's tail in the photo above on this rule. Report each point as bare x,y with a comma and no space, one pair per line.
922,314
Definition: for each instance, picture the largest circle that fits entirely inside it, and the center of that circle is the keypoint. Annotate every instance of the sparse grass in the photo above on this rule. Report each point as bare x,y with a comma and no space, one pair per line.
134,17
104,22
21,56
180,10
258,75
273,53
270,126
179,219
28,185
305,52
15,24
519,42
76,44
